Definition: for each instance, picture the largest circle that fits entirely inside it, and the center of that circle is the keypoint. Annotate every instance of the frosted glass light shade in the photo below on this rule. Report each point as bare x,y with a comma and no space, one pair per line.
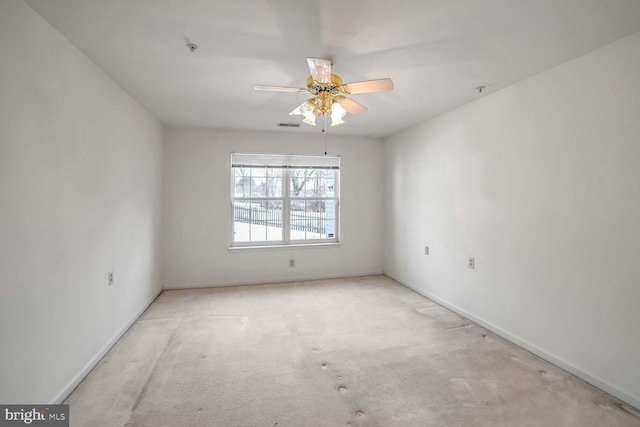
308,112
309,119
337,114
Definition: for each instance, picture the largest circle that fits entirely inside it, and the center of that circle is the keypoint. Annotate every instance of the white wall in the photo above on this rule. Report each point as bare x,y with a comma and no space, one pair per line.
541,183
197,210
80,195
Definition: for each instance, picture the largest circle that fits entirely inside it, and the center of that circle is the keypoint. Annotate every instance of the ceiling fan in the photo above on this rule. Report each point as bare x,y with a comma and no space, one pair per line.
329,93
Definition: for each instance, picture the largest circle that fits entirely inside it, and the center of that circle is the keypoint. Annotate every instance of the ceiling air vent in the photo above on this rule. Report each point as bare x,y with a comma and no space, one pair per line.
289,125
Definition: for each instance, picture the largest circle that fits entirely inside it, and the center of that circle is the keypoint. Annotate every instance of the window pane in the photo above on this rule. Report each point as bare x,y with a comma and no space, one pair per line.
312,219
258,182
273,222
301,182
242,180
312,182
329,183
274,182
330,215
257,221
326,183
241,221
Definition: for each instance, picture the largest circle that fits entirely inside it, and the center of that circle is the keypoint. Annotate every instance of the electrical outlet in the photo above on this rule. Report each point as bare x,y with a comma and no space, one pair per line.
426,250
110,278
472,263
292,262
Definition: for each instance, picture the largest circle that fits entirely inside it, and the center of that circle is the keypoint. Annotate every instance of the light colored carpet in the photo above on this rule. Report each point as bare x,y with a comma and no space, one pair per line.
363,351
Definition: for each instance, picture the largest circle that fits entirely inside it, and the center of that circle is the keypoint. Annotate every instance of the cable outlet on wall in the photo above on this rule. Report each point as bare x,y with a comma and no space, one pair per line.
426,250
292,262
472,263
110,278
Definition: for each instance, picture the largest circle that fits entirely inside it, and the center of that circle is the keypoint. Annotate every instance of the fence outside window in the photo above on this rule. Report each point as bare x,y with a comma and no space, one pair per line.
256,213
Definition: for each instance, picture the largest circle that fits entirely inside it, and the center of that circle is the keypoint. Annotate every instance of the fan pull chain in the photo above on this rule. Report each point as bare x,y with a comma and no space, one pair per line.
324,126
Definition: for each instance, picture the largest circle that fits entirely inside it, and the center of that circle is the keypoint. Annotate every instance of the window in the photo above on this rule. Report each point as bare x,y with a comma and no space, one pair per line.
284,199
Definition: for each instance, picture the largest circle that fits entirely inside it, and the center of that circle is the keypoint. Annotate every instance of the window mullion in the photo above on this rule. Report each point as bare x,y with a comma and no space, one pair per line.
286,206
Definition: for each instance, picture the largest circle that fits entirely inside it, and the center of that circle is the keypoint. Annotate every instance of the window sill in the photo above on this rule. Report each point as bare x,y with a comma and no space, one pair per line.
280,247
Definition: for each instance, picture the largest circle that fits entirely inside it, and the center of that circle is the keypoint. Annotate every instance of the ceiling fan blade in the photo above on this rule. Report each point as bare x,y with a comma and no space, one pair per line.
280,89
298,110
350,105
320,69
368,86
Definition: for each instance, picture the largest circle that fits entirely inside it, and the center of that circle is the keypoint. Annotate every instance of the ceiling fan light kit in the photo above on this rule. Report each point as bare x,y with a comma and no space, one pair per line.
328,90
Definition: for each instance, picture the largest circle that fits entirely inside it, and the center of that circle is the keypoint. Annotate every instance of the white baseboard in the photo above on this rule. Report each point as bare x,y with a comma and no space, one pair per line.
270,281
602,385
77,379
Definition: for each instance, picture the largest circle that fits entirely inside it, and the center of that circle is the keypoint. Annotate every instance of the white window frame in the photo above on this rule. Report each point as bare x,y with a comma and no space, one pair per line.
286,162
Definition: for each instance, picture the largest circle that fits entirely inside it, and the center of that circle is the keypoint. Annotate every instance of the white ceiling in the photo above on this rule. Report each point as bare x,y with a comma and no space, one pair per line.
436,51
